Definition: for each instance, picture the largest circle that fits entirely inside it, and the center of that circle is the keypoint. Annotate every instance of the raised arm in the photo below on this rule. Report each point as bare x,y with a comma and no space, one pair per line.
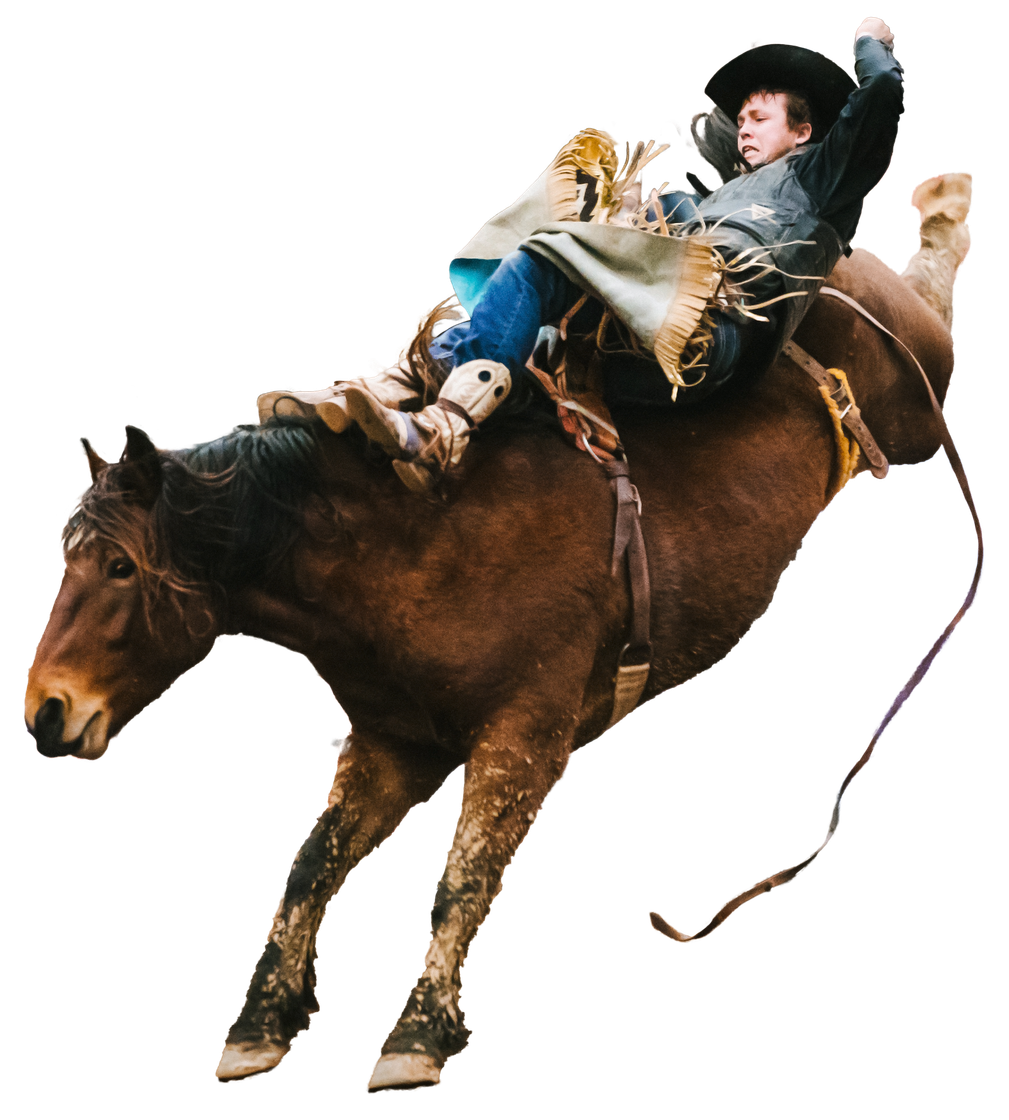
856,152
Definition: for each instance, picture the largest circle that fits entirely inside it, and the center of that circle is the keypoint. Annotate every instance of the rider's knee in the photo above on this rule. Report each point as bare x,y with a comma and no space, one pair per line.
738,347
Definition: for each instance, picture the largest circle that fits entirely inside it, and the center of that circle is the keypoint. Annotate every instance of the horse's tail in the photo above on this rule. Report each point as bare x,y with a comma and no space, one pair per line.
425,372
943,203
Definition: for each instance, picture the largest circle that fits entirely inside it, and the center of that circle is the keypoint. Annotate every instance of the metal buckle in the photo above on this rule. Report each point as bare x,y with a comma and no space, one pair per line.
643,655
839,395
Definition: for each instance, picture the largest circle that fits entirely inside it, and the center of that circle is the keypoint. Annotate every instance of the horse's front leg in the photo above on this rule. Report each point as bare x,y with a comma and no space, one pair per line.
511,769
376,784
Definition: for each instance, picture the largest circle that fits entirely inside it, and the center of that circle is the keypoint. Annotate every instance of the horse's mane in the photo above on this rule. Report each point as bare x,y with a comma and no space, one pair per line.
221,516
716,140
224,516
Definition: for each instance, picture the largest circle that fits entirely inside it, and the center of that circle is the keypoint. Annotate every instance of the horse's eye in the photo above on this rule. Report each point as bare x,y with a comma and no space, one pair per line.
121,569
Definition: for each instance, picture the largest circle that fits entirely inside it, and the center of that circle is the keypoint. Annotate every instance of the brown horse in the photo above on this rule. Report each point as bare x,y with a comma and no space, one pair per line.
481,631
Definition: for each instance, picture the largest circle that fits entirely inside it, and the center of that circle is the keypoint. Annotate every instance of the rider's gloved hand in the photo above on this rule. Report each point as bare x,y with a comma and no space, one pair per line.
876,28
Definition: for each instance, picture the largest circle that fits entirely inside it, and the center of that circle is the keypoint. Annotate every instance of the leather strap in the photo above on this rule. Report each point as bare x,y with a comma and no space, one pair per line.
856,306
851,418
779,878
634,663
450,406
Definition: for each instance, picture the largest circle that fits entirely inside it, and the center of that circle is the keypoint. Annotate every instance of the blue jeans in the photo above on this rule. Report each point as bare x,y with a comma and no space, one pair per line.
527,292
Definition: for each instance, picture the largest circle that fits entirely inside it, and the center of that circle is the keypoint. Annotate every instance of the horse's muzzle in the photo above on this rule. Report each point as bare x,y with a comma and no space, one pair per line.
48,730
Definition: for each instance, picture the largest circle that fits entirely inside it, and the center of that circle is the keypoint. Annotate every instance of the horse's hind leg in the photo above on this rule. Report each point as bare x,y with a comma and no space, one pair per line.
376,784
510,771
943,203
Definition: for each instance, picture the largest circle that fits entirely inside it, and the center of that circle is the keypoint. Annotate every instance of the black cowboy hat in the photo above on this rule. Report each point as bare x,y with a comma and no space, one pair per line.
780,66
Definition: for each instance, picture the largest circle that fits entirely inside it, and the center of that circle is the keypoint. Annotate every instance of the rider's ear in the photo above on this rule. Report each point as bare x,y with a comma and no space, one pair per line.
142,456
95,461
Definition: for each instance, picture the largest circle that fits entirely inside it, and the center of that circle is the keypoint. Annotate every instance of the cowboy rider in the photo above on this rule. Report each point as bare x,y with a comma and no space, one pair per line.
812,145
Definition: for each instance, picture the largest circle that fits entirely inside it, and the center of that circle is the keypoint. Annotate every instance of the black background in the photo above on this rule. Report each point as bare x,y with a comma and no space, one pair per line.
243,217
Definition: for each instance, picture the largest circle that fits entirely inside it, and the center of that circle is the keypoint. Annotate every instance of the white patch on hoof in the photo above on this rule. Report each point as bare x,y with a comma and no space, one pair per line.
243,1061
404,1071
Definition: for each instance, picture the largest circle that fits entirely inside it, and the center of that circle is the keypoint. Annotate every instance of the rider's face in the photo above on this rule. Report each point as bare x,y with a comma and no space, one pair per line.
764,135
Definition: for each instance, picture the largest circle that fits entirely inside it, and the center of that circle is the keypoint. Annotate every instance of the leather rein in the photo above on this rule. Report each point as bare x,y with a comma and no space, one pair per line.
879,469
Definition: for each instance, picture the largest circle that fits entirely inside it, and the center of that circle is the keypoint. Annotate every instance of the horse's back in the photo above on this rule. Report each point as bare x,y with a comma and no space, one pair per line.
889,298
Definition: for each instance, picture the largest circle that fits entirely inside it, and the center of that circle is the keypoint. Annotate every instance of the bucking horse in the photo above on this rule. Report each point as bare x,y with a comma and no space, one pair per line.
481,630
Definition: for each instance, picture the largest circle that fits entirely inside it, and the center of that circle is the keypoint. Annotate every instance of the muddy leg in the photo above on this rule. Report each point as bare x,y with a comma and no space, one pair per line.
376,785
943,203
510,771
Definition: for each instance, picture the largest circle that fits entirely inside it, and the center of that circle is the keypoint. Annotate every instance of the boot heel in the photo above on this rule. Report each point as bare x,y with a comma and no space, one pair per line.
333,413
391,430
289,402
414,476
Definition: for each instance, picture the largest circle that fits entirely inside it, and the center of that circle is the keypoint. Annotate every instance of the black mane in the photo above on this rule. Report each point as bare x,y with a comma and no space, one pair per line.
234,509
225,515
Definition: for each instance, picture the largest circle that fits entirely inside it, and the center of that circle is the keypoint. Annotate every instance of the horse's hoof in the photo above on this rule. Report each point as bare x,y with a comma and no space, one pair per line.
240,1061
404,1071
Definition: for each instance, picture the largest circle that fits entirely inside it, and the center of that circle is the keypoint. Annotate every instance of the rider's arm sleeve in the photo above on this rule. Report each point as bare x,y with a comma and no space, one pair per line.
856,152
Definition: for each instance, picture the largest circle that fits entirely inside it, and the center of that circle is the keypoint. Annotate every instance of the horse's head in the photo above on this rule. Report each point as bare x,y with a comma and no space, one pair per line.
122,628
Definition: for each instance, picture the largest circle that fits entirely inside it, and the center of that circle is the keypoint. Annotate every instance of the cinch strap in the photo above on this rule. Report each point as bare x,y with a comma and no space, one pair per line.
851,418
635,658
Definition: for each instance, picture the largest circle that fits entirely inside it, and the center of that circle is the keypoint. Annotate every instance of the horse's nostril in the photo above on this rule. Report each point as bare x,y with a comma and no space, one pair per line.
48,721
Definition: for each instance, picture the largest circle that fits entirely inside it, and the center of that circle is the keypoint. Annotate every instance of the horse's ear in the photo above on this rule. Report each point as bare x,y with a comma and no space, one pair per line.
138,446
95,461
142,456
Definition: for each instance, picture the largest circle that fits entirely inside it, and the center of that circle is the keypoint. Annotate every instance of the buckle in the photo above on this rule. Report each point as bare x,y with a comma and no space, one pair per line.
839,395
636,655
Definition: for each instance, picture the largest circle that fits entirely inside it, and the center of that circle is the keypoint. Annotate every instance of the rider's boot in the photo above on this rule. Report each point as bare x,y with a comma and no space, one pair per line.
391,388
425,444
